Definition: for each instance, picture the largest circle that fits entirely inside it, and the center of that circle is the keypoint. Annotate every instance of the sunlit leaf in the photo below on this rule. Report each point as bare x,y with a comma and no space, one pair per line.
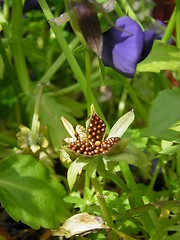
162,57
30,194
165,110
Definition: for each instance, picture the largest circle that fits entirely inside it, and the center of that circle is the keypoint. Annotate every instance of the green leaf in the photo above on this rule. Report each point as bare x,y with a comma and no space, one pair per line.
131,156
162,57
74,169
165,110
30,194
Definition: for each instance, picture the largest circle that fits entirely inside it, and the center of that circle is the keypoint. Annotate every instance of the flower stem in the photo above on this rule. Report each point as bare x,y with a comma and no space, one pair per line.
57,64
170,27
125,5
103,206
137,199
8,140
69,56
18,54
9,72
88,80
178,23
86,185
35,121
150,206
135,99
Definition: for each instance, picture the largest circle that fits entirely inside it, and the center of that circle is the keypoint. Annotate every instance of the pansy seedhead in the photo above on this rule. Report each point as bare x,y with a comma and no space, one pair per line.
91,141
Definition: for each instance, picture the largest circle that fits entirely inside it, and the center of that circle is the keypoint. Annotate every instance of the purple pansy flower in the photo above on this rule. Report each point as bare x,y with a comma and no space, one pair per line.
124,50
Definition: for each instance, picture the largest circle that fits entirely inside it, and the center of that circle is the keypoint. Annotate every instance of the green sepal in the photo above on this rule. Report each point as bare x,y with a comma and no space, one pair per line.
118,147
130,155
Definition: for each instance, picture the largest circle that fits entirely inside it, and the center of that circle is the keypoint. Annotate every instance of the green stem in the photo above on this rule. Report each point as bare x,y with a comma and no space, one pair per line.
69,56
132,93
64,46
6,9
86,185
178,165
118,181
125,5
137,199
118,10
88,80
170,27
8,72
8,140
149,207
103,206
57,64
178,23
155,174
18,54
35,121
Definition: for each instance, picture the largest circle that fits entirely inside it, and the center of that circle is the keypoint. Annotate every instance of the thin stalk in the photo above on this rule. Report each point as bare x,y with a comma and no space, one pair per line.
8,70
35,121
19,59
132,93
86,185
8,140
125,5
64,46
69,56
118,181
118,10
148,223
170,27
88,81
6,9
178,23
178,166
155,174
57,64
103,206
149,207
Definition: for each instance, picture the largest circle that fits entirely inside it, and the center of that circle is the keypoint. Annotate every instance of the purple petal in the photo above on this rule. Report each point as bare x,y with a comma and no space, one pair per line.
149,37
123,50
